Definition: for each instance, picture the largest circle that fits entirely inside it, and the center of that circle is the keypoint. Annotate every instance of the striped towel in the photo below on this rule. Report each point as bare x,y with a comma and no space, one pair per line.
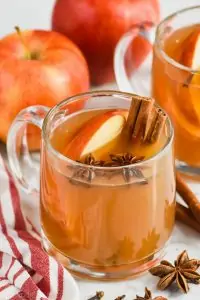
26,271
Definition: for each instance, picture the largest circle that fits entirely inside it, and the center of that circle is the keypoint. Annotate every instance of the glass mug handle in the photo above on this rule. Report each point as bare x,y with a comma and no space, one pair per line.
17,139
147,32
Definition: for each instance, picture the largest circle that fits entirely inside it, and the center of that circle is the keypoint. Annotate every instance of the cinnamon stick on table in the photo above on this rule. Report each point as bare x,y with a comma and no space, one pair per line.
188,196
184,215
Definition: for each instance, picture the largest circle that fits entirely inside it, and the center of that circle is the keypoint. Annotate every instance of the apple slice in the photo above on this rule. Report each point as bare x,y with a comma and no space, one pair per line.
97,132
191,51
189,96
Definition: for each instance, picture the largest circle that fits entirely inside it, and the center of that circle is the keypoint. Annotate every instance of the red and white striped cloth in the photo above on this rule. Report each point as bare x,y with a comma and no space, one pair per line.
26,271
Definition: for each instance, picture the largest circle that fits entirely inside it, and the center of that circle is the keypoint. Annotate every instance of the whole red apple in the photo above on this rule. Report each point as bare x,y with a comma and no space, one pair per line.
97,25
37,67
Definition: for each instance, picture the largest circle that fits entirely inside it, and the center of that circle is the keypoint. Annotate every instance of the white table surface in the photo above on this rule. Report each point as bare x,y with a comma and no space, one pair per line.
36,14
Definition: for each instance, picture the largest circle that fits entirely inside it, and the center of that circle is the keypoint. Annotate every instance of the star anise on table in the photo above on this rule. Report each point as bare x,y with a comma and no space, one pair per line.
120,297
148,296
98,296
182,272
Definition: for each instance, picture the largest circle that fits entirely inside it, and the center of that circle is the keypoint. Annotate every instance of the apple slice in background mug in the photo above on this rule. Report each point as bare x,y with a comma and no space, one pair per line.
191,50
191,59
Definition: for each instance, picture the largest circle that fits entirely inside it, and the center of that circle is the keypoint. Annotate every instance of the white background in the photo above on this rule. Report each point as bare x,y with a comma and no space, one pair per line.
36,14
31,14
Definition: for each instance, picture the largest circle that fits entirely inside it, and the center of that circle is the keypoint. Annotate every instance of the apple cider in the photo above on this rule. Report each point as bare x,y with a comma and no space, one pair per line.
176,86
112,210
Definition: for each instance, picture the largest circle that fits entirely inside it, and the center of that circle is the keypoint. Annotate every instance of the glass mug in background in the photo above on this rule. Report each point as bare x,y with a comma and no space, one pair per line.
105,228
174,84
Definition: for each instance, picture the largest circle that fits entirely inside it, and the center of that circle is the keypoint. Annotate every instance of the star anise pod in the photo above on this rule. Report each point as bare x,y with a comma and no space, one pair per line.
182,272
148,296
117,160
125,159
98,296
90,160
120,297
87,174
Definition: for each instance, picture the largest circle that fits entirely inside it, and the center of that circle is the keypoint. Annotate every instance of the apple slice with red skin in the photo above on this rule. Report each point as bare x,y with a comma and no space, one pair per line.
97,132
189,98
191,51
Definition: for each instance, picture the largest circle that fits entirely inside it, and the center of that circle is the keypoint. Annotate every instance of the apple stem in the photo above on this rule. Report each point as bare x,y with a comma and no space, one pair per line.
28,53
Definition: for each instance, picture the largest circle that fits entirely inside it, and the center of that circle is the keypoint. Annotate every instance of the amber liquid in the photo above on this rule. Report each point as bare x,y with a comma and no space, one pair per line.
181,101
108,223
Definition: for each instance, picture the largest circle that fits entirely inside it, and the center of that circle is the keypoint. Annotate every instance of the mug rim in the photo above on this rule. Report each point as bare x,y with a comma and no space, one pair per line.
101,93
158,44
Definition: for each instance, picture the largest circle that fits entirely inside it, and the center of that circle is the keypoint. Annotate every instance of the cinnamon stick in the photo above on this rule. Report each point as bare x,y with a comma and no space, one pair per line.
156,127
137,113
188,196
143,115
145,121
184,215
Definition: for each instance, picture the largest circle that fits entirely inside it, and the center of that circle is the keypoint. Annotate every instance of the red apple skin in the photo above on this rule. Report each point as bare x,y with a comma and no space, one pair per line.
97,25
59,71
78,143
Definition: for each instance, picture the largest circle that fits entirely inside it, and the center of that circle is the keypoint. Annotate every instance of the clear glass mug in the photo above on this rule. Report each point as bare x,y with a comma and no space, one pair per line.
107,228
166,80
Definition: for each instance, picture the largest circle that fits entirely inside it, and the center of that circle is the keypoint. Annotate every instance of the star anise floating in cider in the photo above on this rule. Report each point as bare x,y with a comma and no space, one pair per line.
90,160
82,173
116,160
148,296
182,272
86,174
125,159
